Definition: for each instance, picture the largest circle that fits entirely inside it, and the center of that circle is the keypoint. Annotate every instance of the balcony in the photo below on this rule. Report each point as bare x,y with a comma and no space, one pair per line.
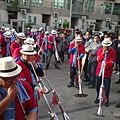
17,6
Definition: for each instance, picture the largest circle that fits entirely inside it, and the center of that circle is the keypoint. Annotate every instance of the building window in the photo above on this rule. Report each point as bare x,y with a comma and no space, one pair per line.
60,20
108,7
35,20
29,19
24,18
37,2
83,24
89,6
59,4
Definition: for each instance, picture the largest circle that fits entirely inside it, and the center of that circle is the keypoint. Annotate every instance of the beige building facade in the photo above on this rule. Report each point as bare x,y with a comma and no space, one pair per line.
86,14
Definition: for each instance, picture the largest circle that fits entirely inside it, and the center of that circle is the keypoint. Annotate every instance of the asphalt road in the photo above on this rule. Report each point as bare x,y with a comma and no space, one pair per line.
78,108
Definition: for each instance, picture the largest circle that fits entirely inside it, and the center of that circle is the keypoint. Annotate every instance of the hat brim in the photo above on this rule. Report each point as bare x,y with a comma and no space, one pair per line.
13,73
8,36
28,53
104,44
23,38
34,45
78,40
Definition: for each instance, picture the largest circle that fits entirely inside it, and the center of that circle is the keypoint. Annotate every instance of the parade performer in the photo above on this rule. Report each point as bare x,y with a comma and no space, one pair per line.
19,42
44,47
110,54
76,47
52,48
5,42
27,72
16,96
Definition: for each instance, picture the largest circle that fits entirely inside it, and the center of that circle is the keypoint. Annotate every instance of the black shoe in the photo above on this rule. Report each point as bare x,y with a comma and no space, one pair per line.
118,105
57,67
43,61
118,82
46,68
70,85
77,85
118,91
106,104
96,101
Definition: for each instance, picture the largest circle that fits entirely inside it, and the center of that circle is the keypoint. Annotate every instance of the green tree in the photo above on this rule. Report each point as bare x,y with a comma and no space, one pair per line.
14,4
97,26
65,24
30,24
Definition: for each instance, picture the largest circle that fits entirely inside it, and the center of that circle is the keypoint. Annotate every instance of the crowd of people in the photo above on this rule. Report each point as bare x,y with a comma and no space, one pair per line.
21,55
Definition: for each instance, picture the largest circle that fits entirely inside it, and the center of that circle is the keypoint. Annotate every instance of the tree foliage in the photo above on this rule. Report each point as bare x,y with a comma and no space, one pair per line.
65,24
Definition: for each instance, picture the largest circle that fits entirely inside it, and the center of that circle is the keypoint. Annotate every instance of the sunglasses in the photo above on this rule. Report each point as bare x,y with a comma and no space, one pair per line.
9,79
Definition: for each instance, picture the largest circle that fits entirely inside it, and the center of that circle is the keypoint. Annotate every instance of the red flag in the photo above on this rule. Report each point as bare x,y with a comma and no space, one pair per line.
104,98
54,100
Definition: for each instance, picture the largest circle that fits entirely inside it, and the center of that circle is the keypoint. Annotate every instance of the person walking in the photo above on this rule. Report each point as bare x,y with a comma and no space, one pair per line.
106,55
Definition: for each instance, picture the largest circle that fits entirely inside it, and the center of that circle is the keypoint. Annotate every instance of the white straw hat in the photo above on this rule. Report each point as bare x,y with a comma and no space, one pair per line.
21,35
7,29
8,34
30,41
106,42
8,67
53,32
46,32
28,50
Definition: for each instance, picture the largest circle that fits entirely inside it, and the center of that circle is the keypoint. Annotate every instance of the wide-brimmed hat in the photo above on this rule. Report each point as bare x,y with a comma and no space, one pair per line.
21,35
53,32
7,29
30,41
8,67
46,32
106,42
8,34
78,38
28,50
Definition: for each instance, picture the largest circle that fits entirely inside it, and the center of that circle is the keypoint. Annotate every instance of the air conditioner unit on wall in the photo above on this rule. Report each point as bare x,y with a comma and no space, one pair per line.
108,19
83,17
23,11
56,14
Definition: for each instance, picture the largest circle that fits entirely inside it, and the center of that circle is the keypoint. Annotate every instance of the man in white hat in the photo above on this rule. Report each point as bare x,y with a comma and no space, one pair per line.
39,38
29,67
52,48
14,35
19,42
44,47
5,42
76,51
106,58
2,30
16,96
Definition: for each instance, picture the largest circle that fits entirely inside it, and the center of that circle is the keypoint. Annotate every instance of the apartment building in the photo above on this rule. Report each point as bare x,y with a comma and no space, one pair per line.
86,14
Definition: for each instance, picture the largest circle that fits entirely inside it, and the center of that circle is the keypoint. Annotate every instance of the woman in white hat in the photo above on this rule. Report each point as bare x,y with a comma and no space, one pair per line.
28,62
16,96
106,58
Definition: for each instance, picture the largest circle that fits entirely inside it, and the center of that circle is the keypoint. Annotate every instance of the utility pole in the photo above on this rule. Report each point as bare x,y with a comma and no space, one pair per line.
70,14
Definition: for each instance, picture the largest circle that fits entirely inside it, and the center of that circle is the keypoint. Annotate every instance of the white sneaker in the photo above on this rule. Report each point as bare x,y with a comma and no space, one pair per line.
117,73
114,71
